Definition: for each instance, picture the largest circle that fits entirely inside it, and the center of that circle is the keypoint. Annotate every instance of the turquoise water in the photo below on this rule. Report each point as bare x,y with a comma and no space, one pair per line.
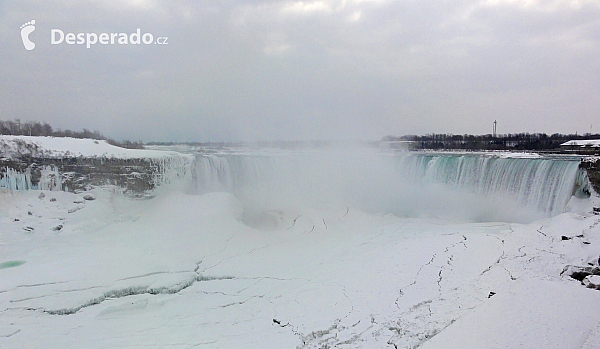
11,264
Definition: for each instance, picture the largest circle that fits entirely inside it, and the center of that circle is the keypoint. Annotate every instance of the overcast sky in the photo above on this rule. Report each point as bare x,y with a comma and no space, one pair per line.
305,70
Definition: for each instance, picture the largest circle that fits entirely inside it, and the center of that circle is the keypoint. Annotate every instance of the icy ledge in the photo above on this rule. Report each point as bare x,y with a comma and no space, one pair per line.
69,164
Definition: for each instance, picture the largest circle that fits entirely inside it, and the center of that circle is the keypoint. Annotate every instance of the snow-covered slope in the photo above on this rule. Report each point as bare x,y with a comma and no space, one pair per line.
15,146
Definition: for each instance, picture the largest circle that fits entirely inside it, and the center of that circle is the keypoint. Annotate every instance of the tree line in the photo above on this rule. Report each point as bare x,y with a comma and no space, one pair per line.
511,141
33,128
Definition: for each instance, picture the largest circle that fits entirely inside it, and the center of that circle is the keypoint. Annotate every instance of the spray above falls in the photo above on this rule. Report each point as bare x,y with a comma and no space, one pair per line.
481,187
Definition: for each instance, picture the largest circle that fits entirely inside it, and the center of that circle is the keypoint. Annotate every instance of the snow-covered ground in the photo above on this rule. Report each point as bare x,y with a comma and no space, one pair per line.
71,147
204,271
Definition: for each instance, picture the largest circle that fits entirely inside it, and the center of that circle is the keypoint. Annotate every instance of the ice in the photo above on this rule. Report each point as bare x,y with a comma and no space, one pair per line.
511,319
15,180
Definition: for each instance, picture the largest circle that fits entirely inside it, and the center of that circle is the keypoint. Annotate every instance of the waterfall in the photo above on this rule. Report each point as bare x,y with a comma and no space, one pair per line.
545,184
407,184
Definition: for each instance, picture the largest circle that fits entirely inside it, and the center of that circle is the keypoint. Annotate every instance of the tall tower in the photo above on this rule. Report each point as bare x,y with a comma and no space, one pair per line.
494,134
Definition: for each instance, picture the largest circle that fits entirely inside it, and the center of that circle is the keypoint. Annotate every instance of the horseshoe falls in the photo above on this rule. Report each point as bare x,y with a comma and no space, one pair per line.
479,187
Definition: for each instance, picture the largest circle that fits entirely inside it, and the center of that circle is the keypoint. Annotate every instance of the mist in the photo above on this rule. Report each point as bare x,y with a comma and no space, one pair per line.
444,186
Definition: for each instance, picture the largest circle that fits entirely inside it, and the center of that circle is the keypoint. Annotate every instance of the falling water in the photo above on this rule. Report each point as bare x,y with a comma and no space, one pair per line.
407,184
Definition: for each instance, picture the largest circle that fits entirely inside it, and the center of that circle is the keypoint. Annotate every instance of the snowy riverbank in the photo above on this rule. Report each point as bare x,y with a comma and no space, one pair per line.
51,163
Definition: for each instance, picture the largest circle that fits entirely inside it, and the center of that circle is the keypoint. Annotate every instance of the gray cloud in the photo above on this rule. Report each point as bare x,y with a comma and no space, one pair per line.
241,70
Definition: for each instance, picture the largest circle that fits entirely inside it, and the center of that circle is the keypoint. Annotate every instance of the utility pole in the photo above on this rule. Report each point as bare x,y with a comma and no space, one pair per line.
494,134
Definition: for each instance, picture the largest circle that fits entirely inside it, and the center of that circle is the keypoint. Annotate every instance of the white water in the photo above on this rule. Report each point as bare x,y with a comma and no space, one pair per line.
545,185
474,187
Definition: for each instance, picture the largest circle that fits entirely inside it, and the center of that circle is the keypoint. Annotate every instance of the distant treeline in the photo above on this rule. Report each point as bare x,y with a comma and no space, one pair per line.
516,141
33,128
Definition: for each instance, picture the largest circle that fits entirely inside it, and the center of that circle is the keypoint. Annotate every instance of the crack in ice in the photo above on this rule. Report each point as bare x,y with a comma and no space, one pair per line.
133,291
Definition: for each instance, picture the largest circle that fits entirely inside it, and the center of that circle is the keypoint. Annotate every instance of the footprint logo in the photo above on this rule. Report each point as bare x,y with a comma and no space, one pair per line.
27,29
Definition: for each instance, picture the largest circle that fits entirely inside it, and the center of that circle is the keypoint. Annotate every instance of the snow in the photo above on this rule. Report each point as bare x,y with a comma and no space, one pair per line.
583,143
512,319
592,281
204,270
72,147
499,153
